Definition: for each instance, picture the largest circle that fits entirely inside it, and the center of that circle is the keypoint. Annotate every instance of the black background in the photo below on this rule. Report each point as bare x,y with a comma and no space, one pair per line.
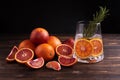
57,16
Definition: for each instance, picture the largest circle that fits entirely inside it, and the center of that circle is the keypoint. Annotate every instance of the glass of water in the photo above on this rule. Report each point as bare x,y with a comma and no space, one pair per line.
88,46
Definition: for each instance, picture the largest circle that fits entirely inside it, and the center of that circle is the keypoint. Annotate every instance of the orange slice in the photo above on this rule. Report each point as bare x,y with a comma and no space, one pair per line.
53,65
23,55
36,63
97,46
11,56
67,60
83,48
64,49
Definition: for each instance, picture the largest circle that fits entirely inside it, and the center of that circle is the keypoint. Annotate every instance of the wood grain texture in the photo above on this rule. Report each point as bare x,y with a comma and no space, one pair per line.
108,69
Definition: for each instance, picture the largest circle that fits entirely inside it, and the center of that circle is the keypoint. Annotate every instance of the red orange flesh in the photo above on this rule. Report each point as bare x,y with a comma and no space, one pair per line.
66,61
64,49
53,65
11,56
23,55
36,63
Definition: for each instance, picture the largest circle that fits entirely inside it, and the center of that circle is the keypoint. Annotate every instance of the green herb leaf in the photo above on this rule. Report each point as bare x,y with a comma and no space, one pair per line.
97,18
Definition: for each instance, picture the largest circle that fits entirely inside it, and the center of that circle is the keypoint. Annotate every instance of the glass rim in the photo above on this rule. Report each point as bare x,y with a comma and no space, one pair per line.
86,22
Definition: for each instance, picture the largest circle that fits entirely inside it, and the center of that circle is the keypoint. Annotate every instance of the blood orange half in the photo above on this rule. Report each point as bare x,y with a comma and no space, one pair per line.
97,46
36,63
83,48
64,49
53,65
24,54
66,60
11,56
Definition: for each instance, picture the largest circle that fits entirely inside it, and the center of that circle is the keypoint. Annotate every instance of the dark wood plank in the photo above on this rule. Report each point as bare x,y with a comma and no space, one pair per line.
108,69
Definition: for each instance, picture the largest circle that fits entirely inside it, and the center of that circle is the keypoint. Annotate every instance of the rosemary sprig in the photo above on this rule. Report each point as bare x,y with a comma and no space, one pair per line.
97,18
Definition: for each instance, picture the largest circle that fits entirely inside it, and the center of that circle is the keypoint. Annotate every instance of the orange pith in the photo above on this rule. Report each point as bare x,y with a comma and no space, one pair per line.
83,48
64,49
23,55
97,46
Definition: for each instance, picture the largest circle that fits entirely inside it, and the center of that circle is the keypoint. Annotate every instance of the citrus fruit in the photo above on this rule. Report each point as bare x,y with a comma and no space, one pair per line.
69,41
64,49
54,41
83,48
46,51
11,56
26,44
36,63
97,46
23,55
53,65
39,36
66,60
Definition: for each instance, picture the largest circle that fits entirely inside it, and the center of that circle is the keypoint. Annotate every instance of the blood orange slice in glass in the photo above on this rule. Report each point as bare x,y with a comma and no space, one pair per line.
64,49
11,56
36,63
97,46
66,60
53,65
83,48
24,54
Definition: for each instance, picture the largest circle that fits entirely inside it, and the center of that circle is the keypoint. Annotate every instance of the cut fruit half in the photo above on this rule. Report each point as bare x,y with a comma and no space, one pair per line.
36,63
24,54
97,46
64,49
66,60
83,48
53,65
11,56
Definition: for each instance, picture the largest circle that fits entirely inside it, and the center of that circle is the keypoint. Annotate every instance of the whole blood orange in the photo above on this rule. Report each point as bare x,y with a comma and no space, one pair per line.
69,41
54,41
36,63
24,54
83,48
11,56
53,65
64,49
66,60
26,44
46,51
97,46
39,36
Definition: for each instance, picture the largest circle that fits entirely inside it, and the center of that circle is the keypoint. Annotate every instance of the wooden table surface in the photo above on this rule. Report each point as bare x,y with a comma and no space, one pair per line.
108,69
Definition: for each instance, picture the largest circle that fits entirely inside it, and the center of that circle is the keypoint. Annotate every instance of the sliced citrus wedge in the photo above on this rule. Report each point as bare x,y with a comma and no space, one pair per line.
11,56
53,65
66,60
24,54
83,48
97,46
36,63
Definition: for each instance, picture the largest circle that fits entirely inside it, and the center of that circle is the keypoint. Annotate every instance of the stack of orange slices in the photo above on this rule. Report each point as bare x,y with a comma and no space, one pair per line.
85,48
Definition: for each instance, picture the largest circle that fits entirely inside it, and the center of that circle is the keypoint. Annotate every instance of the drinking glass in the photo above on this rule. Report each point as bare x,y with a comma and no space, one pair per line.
88,46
